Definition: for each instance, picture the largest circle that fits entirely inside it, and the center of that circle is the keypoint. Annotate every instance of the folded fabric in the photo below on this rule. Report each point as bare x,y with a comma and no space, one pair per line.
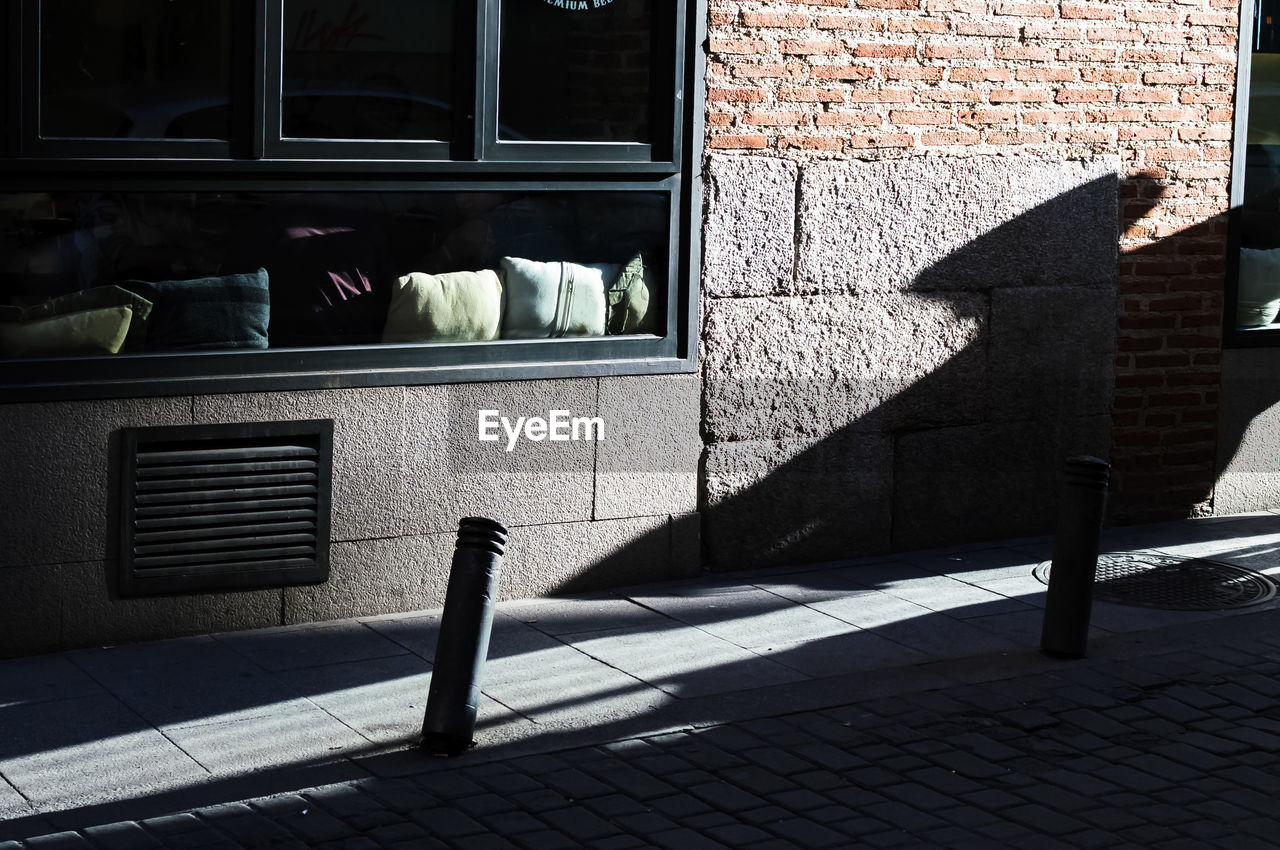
451,307
101,330
554,299
627,301
231,311
96,297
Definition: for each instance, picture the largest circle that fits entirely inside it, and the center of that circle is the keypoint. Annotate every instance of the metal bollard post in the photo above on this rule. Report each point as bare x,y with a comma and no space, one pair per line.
463,643
1076,542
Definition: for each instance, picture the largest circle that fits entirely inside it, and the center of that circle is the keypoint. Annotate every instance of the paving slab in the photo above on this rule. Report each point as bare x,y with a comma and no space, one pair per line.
578,615
86,750
684,661
417,633
383,699
294,647
25,681
293,732
749,617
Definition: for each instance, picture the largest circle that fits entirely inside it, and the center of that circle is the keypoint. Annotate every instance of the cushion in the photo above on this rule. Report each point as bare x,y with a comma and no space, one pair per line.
451,307
101,330
99,296
1258,293
554,299
627,301
231,311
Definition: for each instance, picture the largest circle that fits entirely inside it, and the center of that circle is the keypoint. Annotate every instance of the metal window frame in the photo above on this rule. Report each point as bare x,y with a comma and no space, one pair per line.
382,365
1233,336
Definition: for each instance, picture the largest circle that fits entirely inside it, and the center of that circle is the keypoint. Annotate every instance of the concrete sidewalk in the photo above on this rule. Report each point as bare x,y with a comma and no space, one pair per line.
122,734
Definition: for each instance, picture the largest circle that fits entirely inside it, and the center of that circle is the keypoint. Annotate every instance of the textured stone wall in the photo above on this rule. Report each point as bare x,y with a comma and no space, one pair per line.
1149,83
407,466
900,353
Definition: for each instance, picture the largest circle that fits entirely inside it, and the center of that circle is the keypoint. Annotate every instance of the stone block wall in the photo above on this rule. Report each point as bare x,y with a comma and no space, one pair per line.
851,111
407,466
943,336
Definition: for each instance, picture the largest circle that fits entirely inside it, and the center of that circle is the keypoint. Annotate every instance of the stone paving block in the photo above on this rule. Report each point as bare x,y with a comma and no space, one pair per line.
311,645
749,618
183,682
59,841
839,655
550,682
416,631
86,750
576,615
295,732
684,661
953,597
384,699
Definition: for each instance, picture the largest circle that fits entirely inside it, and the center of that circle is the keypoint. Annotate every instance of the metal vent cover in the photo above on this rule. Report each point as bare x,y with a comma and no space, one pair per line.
224,507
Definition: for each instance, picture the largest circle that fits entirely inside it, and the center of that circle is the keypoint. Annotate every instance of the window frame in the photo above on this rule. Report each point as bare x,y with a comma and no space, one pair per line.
1232,335
570,168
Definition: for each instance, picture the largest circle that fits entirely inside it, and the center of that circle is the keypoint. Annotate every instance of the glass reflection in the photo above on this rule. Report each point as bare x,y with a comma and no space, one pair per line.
584,77
367,70
142,69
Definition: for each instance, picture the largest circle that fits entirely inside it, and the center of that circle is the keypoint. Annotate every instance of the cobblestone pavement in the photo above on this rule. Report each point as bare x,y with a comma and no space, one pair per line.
1170,739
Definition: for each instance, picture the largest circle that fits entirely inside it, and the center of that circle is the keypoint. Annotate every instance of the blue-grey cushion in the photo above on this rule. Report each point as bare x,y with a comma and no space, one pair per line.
231,311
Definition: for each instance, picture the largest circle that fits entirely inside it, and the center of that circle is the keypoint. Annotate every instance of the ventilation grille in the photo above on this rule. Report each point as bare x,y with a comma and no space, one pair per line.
218,507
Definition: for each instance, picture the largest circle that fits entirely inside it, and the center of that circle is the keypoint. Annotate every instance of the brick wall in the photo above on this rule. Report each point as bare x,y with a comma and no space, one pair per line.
1151,81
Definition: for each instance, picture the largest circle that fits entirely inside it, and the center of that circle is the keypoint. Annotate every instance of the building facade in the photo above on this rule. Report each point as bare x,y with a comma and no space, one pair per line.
903,258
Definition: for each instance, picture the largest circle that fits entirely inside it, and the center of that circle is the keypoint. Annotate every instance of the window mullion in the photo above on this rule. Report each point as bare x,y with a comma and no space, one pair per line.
267,85
488,16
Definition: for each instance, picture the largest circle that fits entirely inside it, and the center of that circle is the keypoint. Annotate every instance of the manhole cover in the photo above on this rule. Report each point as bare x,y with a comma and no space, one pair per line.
1173,583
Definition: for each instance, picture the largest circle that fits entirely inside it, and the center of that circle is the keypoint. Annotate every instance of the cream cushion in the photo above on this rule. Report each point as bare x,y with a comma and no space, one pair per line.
449,307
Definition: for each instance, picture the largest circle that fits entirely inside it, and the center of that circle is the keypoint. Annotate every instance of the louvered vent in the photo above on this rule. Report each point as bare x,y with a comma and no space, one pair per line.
225,507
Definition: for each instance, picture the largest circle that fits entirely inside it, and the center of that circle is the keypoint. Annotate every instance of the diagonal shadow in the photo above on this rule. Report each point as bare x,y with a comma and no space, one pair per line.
784,516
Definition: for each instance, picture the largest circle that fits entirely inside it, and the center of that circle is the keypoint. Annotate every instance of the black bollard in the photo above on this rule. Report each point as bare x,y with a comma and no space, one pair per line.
463,643
1076,541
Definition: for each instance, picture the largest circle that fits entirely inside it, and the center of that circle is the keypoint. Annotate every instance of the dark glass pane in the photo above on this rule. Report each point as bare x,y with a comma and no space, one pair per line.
142,69
352,268
575,70
379,70
1258,292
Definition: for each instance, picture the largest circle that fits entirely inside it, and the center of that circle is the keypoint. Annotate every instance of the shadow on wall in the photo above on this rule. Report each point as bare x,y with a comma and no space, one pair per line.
877,401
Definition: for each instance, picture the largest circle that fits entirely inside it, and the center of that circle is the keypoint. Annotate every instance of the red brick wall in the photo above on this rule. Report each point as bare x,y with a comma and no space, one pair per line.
1151,81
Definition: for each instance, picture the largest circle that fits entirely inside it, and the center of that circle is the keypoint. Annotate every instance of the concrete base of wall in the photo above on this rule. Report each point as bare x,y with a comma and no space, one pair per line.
407,466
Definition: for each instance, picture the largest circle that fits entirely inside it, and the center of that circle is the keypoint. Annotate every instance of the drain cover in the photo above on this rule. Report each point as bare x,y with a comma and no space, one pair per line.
1173,583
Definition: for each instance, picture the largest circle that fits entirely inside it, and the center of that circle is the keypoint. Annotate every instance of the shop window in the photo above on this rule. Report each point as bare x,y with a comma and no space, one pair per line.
1253,298
306,193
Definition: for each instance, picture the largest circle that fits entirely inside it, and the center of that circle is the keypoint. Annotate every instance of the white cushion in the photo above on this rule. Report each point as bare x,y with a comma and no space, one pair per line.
555,299
1258,293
